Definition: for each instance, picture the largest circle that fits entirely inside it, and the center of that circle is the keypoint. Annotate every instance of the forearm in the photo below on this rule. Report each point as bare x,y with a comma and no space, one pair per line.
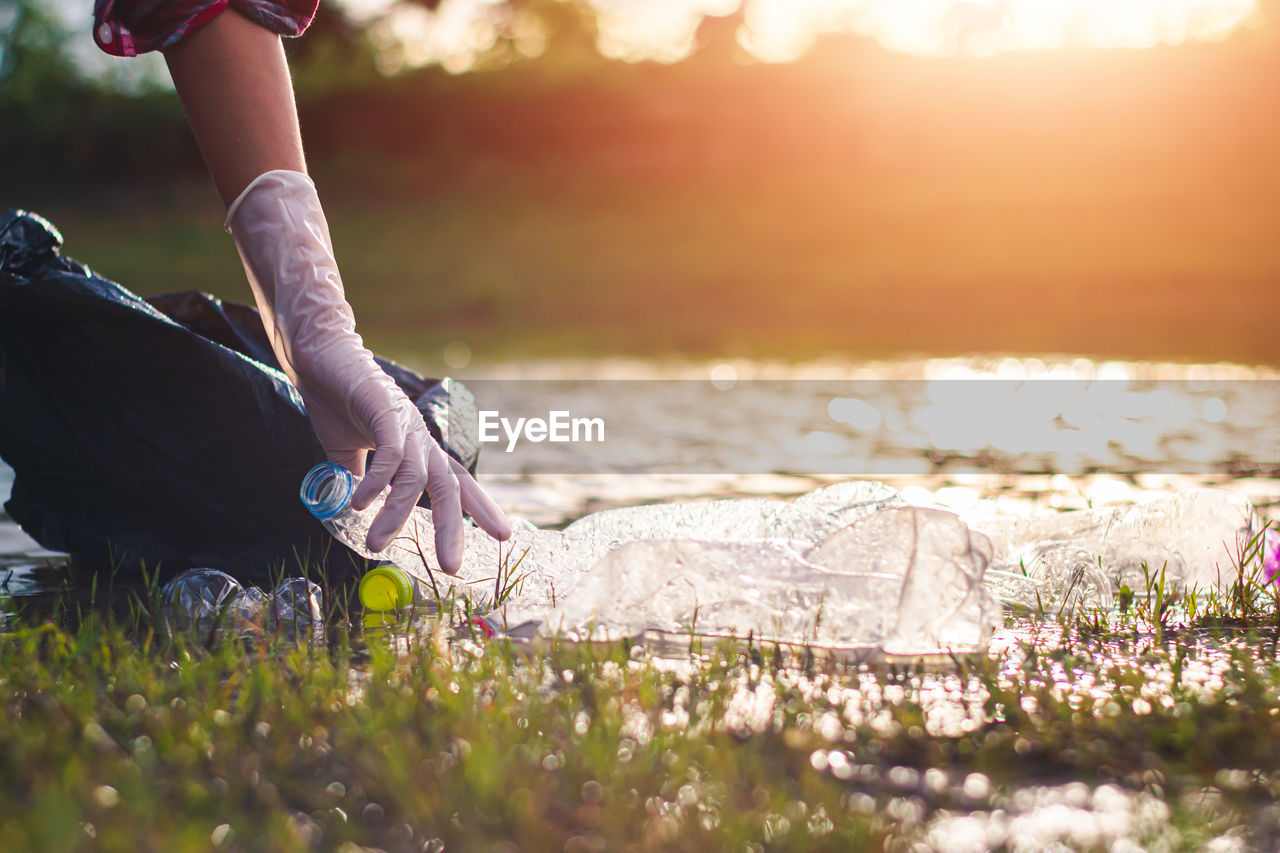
234,84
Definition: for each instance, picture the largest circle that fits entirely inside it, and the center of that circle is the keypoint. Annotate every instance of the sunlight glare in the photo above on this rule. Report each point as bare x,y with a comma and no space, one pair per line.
459,33
782,30
658,30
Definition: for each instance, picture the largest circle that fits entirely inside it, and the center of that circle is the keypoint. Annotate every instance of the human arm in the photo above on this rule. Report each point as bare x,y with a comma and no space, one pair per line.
233,80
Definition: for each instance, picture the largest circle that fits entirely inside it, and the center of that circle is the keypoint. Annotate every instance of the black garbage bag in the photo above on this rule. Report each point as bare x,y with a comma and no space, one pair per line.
160,432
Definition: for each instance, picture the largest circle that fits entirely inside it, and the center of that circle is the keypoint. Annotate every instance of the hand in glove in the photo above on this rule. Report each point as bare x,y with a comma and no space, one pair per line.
280,230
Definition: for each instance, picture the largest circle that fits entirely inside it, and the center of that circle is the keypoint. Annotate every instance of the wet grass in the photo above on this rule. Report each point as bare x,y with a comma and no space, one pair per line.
113,736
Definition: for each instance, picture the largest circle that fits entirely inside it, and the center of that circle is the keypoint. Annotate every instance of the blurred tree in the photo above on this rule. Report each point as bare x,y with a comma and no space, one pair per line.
33,59
59,125
334,54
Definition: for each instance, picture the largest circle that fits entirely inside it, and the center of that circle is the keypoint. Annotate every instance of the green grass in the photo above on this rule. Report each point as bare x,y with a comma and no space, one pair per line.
114,737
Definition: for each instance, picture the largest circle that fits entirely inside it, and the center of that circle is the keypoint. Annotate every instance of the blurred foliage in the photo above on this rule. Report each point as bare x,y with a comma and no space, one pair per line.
333,56
31,51
65,129
713,204
60,126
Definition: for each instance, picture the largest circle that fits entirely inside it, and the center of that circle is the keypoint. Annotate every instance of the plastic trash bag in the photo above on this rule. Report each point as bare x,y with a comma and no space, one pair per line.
160,432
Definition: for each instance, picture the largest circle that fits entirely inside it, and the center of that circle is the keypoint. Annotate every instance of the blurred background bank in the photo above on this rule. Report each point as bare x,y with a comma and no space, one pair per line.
716,179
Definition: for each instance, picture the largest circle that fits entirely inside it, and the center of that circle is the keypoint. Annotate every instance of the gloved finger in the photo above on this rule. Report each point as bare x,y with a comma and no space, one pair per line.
406,487
477,503
446,508
352,460
389,435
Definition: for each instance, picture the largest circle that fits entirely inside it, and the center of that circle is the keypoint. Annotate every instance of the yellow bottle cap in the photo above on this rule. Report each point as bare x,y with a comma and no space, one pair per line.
385,588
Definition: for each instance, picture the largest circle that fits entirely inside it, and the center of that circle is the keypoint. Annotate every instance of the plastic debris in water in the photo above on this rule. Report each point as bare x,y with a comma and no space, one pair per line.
906,580
296,601
1196,537
202,600
848,566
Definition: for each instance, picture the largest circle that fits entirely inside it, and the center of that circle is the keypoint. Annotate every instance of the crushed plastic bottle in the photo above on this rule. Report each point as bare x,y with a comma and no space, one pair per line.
296,601
202,600
907,580
847,566
806,519
535,570
552,565
326,492
1196,537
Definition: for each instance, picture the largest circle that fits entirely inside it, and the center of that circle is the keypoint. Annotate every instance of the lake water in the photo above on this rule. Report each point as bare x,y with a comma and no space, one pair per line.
979,436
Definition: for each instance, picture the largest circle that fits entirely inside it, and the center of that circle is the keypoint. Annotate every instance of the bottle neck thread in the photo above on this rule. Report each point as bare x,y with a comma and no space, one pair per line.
327,489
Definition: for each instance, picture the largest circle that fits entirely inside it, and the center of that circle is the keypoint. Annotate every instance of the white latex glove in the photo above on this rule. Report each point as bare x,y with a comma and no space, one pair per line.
280,230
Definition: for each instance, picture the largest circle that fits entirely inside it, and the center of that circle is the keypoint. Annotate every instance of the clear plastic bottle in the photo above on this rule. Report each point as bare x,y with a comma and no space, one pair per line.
326,493
201,599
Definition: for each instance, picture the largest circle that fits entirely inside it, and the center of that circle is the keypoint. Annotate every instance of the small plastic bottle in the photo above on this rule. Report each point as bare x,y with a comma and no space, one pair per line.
199,599
326,493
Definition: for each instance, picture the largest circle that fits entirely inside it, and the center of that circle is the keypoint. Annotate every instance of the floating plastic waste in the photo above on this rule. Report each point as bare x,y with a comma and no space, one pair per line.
847,566
908,580
201,600
296,601
807,518
542,566
1197,537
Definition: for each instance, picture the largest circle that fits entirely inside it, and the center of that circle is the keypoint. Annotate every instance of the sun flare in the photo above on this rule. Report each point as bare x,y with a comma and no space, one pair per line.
781,30
460,32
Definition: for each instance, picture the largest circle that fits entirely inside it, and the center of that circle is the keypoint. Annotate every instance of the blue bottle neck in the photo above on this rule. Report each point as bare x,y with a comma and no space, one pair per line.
327,489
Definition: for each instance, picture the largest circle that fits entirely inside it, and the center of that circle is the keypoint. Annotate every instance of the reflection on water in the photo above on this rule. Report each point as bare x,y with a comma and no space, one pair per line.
911,419
24,565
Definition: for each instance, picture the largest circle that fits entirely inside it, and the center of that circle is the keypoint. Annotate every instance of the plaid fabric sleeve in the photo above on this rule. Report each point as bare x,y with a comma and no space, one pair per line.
131,27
